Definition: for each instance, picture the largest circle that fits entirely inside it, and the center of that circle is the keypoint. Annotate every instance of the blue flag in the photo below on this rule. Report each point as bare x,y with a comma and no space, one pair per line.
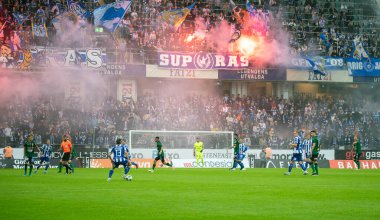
77,9
20,18
318,65
110,15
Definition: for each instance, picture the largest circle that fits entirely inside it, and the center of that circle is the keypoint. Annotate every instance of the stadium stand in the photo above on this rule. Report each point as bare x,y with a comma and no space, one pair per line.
316,27
323,27
261,119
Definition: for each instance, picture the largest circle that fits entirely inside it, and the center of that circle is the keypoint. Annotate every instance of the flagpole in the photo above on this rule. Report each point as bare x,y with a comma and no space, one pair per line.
2,27
123,14
26,19
33,28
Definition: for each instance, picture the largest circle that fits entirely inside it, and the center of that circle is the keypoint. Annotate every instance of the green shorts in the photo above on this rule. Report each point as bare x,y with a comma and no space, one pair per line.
314,157
357,156
29,154
161,157
29,158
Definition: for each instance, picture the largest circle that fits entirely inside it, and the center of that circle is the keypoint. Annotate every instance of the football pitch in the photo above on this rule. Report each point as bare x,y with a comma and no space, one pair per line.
191,194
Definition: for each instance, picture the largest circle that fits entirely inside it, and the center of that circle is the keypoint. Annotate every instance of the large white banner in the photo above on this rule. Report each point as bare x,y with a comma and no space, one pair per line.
287,154
182,153
220,154
208,163
331,76
154,71
209,154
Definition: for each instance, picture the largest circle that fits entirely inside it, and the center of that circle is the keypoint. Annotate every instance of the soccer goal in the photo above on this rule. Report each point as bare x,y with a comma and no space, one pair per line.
180,144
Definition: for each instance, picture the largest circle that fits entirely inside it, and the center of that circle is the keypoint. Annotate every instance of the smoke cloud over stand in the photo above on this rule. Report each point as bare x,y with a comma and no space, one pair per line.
261,46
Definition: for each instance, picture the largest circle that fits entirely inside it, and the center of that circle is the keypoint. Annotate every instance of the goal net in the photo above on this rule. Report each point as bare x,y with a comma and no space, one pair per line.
180,144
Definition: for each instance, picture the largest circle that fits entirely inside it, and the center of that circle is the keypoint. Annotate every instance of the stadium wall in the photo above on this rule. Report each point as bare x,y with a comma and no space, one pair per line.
366,154
19,163
183,158
191,163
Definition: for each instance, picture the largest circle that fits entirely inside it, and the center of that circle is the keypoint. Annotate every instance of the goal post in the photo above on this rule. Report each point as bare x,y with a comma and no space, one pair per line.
181,139
179,145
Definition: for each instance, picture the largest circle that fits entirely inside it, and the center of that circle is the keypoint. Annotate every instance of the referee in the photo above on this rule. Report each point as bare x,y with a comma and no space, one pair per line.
66,147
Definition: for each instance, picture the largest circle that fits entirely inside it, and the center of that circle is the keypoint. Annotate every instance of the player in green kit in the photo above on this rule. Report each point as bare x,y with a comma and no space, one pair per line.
315,148
29,148
198,151
358,150
160,155
73,157
236,152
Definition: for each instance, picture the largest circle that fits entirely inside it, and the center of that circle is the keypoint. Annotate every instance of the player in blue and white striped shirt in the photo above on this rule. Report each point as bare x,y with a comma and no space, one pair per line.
297,153
119,156
45,154
124,142
306,144
240,156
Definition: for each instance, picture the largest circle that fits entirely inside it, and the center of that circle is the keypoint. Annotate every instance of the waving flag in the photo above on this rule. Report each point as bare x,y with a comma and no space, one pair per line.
318,65
20,18
39,30
177,16
77,9
359,51
110,15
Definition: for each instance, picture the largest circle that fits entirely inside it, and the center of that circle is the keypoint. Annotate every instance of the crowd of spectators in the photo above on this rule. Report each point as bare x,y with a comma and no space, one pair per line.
329,27
316,27
261,120
18,17
143,29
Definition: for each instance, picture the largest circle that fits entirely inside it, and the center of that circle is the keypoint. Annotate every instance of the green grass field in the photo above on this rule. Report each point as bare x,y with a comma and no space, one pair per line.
191,194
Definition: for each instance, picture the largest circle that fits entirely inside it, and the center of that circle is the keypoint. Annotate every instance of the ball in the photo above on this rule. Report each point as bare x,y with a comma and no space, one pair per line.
128,178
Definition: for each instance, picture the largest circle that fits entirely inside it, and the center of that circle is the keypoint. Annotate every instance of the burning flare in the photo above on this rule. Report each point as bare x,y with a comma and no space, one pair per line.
247,46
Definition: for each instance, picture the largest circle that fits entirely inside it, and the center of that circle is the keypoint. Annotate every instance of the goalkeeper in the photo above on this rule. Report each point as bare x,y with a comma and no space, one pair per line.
198,151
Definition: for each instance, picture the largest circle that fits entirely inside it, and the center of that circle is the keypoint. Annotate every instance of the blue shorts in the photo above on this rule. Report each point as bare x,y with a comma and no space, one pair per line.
117,164
240,157
46,159
307,156
297,157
